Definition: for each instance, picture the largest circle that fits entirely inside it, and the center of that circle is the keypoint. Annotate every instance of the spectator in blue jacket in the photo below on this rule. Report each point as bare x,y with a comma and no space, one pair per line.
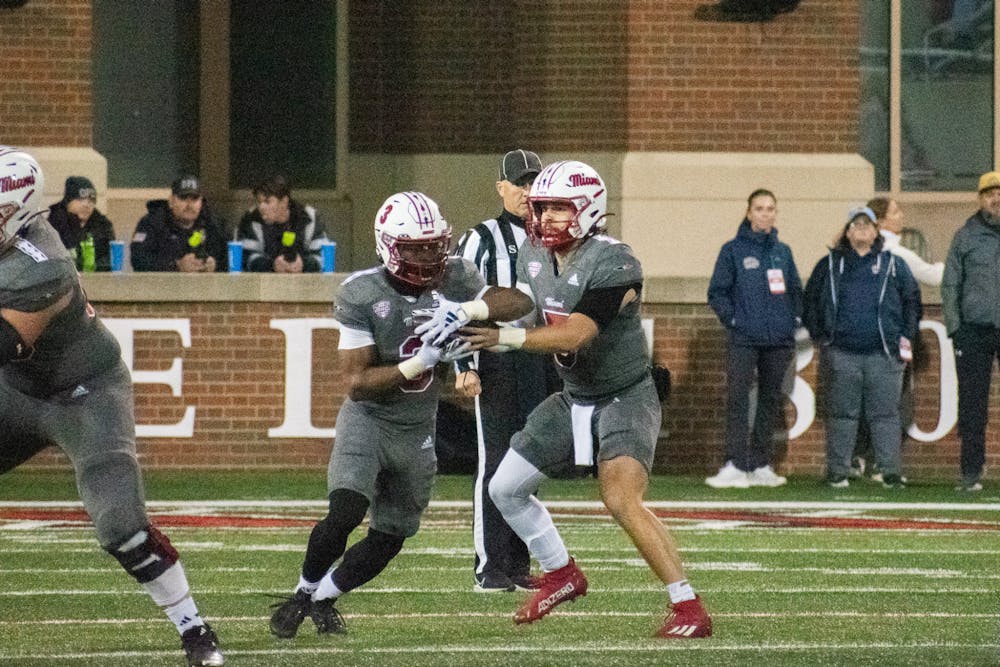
862,305
757,295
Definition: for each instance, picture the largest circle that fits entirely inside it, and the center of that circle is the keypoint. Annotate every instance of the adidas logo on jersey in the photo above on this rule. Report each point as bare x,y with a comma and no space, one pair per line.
428,443
573,280
79,391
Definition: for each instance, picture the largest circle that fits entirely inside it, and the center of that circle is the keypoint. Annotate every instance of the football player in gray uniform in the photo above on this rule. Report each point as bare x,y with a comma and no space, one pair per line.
383,461
62,382
586,288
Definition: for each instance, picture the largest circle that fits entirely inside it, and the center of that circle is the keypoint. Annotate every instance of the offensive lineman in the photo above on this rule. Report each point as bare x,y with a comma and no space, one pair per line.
383,462
62,382
586,286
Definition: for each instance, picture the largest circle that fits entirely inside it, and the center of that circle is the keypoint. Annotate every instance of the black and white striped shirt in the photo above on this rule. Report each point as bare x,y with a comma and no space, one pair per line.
492,246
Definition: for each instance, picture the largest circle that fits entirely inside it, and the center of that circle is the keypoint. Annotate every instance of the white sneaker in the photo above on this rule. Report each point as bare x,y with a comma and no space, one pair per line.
729,477
765,476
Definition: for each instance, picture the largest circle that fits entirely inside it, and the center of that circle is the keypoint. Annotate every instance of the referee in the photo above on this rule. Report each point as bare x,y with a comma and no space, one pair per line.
507,386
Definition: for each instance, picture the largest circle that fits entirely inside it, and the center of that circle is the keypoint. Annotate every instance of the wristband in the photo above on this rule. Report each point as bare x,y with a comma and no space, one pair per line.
412,367
476,310
512,337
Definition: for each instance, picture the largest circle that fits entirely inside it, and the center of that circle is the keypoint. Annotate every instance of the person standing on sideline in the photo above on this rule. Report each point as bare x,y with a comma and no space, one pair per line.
889,217
64,383
970,301
384,461
861,304
586,287
507,387
756,293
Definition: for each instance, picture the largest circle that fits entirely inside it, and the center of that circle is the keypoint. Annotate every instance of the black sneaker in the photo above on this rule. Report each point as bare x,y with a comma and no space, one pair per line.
525,582
202,647
288,615
893,482
327,619
493,583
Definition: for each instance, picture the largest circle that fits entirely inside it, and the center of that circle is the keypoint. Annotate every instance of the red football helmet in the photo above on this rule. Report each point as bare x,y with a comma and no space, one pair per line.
572,183
412,238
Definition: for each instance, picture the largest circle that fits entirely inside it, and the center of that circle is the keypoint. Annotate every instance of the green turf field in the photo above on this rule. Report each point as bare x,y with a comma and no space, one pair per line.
802,575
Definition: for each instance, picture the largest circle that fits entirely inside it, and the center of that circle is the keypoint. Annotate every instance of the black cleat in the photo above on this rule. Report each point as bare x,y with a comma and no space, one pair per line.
288,615
327,619
494,582
202,647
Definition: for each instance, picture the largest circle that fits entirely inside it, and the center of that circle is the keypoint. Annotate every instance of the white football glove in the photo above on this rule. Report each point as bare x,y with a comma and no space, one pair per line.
456,349
429,354
426,357
448,317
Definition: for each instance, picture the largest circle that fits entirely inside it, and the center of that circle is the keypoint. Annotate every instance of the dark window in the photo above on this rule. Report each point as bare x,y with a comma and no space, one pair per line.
282,74
145,60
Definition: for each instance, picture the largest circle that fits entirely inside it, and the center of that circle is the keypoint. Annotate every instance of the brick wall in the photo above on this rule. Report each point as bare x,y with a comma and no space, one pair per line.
570,75
46,95
233,374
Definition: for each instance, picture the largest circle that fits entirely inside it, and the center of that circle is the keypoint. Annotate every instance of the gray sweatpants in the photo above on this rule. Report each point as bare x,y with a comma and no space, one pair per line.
868,382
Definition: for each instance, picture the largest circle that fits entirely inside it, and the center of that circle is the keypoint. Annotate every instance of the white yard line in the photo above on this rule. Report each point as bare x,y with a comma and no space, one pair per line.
155,621
652,588
549,648
784,505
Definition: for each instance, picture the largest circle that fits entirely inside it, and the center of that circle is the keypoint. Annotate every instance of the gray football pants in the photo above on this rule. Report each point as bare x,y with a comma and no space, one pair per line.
96,430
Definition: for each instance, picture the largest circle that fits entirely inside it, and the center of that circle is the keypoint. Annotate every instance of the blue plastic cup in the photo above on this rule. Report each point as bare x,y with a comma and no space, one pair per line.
329,256
117,256
235,257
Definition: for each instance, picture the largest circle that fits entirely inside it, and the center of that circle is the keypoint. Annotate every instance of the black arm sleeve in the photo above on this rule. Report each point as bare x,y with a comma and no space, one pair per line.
603,304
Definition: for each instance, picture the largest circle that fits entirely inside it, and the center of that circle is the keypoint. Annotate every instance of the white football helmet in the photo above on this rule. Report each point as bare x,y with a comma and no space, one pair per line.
20,191
573,183
412,238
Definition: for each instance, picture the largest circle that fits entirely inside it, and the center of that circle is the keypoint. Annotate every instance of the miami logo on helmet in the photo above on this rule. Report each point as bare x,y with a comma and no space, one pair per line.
580,180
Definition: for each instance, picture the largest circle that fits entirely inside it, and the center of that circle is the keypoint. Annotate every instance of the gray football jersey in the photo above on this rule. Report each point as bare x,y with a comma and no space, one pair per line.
368,302
35,272
616,357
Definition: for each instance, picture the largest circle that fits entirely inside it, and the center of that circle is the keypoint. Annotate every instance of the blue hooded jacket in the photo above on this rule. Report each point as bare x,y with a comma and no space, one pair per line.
740,294
898,308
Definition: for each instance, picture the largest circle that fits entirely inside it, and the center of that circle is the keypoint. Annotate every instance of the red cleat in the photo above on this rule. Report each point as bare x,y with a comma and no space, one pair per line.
562,585
687,620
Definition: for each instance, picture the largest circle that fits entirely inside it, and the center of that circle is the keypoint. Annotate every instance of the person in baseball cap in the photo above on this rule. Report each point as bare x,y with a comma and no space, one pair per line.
971,317
502,562
518,166
988,181
186,186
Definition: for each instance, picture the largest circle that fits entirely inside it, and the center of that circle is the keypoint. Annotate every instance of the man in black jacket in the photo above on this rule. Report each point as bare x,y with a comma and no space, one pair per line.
179,233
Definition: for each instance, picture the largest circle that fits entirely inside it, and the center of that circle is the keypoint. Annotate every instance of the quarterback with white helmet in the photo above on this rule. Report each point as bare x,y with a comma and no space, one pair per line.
586,287
64,384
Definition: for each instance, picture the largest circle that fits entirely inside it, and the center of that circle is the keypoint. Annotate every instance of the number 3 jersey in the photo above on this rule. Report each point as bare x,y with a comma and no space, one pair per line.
370,306
616,358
